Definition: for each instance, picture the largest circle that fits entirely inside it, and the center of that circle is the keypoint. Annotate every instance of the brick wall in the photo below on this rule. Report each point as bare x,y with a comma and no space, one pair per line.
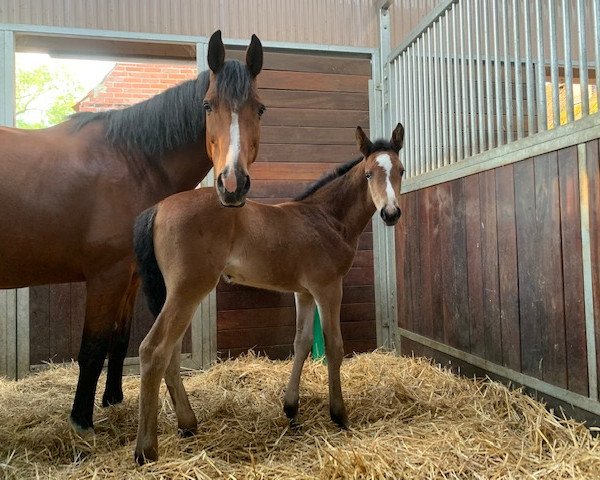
130,83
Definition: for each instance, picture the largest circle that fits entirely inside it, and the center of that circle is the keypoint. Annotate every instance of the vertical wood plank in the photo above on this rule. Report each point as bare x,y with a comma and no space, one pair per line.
460,287
39,323
489,256
572,263
401,260
446,265
78,294
60,322
549,281
425,323
436,200
415,270
531,325
474,265
507,268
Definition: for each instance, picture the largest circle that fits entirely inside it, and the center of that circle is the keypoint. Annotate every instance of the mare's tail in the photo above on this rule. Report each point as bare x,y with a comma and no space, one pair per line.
143,245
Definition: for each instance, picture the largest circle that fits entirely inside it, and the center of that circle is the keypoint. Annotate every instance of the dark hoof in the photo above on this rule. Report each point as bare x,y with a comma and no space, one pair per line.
340,419
291,411
146,455
111,398
187,432
82,428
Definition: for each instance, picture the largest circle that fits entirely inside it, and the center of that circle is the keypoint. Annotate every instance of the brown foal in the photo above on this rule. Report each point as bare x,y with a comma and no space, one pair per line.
188,241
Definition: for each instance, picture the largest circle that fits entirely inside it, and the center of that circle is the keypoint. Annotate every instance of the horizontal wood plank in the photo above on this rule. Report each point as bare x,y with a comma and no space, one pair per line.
282,152
318,100
298,117
320,82
308,135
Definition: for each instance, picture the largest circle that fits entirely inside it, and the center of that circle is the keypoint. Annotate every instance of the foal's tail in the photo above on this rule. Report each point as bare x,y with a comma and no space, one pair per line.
143,245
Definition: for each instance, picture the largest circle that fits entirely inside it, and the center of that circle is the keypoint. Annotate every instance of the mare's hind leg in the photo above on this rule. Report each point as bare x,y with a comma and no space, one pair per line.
305,309
113,391
186,420
329,301
156,352
104,301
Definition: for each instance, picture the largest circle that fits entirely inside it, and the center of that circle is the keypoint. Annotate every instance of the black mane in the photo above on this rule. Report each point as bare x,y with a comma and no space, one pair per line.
172,118
378,146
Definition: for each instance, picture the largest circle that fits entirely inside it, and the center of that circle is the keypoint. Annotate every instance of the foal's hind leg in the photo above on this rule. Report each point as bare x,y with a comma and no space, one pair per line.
329,301
186,420
104,301
113,391
305,309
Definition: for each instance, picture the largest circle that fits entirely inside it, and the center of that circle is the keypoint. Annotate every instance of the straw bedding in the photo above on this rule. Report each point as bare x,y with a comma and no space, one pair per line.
410,419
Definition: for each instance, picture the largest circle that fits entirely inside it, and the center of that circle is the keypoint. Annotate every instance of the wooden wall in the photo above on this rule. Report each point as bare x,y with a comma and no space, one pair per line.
314,103
491,264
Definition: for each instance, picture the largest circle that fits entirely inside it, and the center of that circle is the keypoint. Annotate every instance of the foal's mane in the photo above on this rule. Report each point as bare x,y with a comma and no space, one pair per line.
172,118
377,146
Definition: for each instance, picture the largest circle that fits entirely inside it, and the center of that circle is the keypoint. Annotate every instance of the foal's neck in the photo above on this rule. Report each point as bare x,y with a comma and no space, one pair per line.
347,200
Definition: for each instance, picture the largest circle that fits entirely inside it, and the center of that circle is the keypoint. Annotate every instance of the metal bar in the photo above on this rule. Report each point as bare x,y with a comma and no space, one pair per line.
529,71
559,393
422,105
406,98
583,66
464,92
451,125
507,74
444,62
423,25
581,131
518,79
431,127
497,78
554,65
412,131
542,110
566,14
457,89
488,77
596,10
437,108
7,78
588,293
479,67
471,144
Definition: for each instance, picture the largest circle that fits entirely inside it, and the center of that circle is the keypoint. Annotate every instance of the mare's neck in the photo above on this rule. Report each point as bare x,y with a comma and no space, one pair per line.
346,200
185,166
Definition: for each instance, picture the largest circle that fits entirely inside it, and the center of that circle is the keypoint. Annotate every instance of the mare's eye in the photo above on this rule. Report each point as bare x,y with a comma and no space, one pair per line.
207,106
402,173
368,175
261,110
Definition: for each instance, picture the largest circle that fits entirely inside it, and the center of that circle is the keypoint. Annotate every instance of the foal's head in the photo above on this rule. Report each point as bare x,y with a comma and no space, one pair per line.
233,112
384,172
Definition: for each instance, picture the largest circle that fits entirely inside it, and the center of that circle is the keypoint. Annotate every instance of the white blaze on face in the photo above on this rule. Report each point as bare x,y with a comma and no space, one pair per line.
385,162
230,182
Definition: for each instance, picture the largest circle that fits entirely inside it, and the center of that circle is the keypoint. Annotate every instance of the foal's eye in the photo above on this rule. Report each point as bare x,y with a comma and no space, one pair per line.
368,175
261,109
402,173
206,106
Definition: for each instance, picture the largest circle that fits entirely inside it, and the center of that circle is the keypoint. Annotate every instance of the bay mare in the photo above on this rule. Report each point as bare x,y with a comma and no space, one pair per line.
188,241
70,194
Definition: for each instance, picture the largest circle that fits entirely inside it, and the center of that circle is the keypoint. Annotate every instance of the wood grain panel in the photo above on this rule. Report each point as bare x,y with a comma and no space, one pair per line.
274,152
39,320
570,222
299,117
318,100
426,302
308,135
290,171
320,82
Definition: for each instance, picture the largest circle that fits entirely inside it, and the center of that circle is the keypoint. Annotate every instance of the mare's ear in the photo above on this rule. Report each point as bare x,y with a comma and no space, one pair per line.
364,144
254,56
216,52
397,138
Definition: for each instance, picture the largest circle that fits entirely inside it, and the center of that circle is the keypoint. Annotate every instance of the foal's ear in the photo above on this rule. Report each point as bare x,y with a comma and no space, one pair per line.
216,52
364,144
254,56
397,138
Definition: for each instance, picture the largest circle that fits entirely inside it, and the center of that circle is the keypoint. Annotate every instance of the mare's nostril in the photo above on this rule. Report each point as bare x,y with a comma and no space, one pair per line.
246,185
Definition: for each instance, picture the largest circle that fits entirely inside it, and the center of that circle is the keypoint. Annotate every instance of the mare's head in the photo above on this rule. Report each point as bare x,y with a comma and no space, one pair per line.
384,172
233,112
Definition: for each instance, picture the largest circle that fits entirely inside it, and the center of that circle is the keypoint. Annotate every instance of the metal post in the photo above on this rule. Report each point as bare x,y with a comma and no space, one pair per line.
542,110
507,74
430,132
444,64
583,68
554,65
471,143
488,77
596,23
497,78
479,67
437,112
566,14
457,133
529,72
518,79
463,87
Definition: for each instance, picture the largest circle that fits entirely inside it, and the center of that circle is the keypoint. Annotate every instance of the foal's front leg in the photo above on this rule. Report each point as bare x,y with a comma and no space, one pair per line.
305,308
186,420
329,301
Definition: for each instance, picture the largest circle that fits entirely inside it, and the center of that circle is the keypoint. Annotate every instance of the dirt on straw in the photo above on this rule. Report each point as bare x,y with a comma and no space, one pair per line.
410,419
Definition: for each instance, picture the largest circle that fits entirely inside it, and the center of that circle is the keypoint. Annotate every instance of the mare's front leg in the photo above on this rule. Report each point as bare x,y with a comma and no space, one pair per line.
329,301
104,301
156,353
113,391
305,311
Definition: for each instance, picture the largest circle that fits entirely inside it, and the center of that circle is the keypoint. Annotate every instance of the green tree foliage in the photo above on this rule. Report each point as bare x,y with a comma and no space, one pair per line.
45,95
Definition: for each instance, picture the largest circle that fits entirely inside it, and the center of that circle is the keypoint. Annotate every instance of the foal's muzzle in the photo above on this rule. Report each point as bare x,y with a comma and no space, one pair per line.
390,216
232,187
